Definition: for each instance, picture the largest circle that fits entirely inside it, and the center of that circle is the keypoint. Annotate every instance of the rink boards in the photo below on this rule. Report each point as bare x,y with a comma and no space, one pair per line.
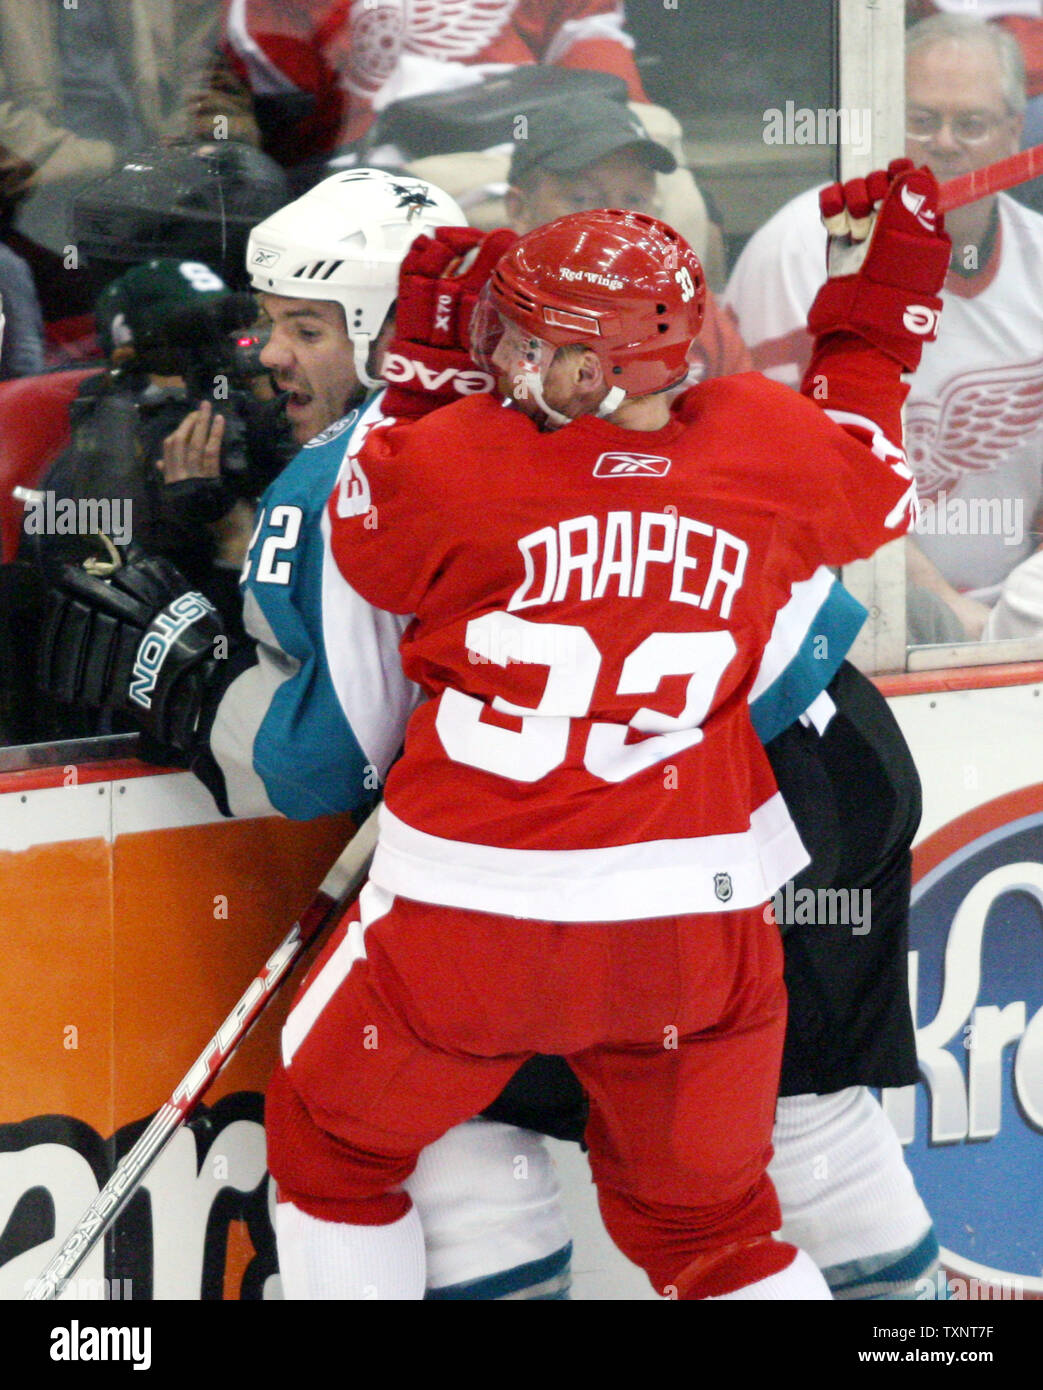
134,916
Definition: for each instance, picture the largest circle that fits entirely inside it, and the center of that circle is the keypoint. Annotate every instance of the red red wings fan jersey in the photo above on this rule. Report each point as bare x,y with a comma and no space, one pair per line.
591,606
354,56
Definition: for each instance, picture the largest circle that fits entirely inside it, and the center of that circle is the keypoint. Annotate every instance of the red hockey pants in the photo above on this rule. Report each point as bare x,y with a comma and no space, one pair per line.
415,1017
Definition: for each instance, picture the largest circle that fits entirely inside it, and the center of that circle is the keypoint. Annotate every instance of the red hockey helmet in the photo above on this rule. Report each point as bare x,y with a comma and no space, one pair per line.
621,283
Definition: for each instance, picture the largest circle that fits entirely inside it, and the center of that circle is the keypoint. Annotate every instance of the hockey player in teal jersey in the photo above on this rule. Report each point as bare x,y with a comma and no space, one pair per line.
284,725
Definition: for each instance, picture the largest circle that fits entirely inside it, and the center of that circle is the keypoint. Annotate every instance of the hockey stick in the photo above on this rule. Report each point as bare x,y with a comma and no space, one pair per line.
993,178
340,886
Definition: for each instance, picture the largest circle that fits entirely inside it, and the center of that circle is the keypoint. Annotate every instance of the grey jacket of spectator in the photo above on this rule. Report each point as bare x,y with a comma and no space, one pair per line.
169,48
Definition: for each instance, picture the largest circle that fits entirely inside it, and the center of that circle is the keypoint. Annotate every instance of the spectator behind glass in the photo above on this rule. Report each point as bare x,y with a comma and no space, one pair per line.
1024,20
79,84
323,71
21,350
574,159
350,60
974,417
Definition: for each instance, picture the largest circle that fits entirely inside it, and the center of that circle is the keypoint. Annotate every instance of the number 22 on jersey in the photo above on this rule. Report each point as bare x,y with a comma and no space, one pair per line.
284,530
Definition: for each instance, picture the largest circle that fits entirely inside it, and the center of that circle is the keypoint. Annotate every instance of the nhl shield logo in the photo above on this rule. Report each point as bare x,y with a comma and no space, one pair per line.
722,887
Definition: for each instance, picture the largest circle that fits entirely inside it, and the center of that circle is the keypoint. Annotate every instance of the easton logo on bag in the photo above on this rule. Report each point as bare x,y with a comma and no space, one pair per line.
619,463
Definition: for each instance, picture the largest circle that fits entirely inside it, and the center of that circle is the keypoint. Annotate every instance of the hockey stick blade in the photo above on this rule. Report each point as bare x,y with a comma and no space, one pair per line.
993,178
340,886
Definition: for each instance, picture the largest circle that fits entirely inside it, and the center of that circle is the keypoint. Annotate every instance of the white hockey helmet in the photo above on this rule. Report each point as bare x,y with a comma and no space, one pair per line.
344,240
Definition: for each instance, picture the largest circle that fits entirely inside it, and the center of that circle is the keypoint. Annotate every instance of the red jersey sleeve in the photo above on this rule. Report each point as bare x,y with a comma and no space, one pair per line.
302,50
838,486
388,521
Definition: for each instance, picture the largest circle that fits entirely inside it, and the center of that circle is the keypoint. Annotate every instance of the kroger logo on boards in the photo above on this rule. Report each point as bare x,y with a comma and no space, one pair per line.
973,1127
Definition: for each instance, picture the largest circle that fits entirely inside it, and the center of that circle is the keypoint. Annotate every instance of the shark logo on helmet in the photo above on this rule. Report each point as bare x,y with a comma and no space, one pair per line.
414,199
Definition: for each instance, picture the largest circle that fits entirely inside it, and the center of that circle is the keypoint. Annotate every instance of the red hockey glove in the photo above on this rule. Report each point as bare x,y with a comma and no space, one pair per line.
888,254
428,363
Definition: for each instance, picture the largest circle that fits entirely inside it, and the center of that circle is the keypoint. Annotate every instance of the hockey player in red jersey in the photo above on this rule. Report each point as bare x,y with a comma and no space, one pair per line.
539,886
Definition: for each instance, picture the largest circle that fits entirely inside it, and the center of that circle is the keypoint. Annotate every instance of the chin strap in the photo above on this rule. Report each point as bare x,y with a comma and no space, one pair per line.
534,386
615,398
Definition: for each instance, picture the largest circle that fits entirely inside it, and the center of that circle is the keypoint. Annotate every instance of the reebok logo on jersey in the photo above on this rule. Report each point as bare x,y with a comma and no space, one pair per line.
620,464
913,202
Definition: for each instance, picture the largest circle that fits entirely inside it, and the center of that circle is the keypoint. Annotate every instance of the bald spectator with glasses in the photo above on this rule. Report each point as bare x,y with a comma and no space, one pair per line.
974,418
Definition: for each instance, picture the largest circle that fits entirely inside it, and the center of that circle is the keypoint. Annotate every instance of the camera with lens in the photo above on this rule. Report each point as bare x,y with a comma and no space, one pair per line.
215,351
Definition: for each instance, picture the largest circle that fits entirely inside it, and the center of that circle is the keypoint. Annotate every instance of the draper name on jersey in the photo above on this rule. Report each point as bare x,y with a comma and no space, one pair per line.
580,559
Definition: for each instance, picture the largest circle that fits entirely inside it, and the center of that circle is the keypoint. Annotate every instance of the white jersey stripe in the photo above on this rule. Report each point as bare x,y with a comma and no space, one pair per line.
242,711
372,904
364,664
654,878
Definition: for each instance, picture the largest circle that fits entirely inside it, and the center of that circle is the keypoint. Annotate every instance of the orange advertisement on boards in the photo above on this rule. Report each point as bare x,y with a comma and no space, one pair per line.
134,918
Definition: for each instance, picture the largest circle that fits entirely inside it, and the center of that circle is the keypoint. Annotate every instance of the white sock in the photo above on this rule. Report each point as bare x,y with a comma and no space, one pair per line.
801,1279
489,1202
332,1260
842,1180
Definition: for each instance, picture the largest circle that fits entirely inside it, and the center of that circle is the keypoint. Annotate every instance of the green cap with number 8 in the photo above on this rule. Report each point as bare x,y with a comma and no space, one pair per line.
132,311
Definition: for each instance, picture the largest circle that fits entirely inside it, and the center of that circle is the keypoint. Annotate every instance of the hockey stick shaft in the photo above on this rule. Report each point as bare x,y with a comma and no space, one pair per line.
993,178
340,886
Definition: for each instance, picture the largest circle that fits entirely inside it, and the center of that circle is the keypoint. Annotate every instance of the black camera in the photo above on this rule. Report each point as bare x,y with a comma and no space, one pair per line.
216,352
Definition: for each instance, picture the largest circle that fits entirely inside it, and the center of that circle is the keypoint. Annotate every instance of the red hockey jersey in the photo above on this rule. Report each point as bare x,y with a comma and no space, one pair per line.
591,606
